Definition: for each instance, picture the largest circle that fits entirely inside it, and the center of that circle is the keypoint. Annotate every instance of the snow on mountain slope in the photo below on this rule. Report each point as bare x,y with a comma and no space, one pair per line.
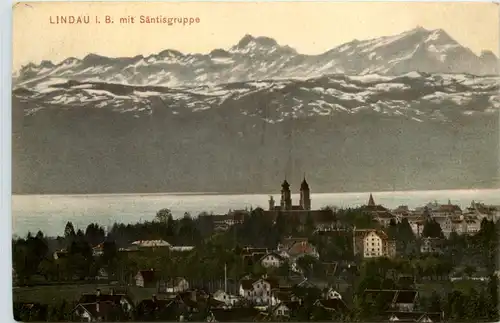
414,96
259,58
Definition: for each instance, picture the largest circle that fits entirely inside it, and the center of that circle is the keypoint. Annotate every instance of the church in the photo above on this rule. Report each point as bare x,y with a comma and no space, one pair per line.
302,210
286,198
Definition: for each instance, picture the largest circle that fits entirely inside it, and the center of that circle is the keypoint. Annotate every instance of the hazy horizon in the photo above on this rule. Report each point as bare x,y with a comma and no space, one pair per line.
50,213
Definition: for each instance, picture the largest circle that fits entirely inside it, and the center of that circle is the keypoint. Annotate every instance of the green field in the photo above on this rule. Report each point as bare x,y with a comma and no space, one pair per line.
56,293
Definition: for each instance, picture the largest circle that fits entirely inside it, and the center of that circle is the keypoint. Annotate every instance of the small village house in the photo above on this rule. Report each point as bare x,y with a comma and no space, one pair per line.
174,285
147,278
271,260
226,298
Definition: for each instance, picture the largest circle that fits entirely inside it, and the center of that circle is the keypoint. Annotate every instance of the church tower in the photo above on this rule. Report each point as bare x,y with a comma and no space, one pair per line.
305,195
271,203
286,196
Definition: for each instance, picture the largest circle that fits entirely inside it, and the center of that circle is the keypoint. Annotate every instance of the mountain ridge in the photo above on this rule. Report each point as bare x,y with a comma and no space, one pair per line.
257,58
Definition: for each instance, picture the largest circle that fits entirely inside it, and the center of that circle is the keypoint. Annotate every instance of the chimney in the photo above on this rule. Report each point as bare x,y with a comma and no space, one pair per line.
98,292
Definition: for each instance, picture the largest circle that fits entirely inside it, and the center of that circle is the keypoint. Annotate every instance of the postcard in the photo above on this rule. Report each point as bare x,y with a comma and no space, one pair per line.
266,161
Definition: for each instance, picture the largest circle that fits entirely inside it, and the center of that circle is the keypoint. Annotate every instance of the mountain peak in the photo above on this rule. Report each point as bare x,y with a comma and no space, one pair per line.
261,41
249,44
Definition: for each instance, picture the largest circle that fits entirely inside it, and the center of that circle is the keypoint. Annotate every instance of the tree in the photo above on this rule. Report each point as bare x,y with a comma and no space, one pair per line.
164,215
94,234
69,232
309,225
432,229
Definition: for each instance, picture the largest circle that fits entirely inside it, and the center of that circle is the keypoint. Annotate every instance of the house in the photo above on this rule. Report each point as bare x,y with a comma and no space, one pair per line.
257,291
432,245
175,285
252,255
302,248
285,309
98,250
379,213
372,243
119,299
405,300
147,278
396,300
472,224
228,299
99,311
447,224
402,211
331,293
332,305
272,260
288,242
446,209
230,219
157,309
417,317
190,301
490,212
151,244
181,248
280,295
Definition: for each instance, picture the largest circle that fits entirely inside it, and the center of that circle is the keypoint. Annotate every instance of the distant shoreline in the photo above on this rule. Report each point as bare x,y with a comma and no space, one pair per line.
260,193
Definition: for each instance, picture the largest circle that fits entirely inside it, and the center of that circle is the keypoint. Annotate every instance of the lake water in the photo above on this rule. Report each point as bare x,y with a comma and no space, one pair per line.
50,213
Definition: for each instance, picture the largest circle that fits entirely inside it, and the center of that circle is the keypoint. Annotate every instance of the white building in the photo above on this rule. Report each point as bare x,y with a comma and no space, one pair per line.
373,245
228,299
256,291
272,260
151,243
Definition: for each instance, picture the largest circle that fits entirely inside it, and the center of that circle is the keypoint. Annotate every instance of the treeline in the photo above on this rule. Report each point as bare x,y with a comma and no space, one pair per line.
33,255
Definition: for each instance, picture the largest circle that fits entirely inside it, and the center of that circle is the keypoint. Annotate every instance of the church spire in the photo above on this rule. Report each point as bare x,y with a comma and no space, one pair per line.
371,201
305,195
304,186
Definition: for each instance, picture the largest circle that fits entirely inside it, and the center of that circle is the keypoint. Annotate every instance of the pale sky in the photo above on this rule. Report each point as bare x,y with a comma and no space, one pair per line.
309,27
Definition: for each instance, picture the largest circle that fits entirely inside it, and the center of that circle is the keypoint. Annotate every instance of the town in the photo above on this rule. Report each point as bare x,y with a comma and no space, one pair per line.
287,262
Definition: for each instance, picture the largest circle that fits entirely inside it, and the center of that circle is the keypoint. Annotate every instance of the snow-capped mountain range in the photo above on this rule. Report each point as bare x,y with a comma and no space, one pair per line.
262,58
411,111
414,96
